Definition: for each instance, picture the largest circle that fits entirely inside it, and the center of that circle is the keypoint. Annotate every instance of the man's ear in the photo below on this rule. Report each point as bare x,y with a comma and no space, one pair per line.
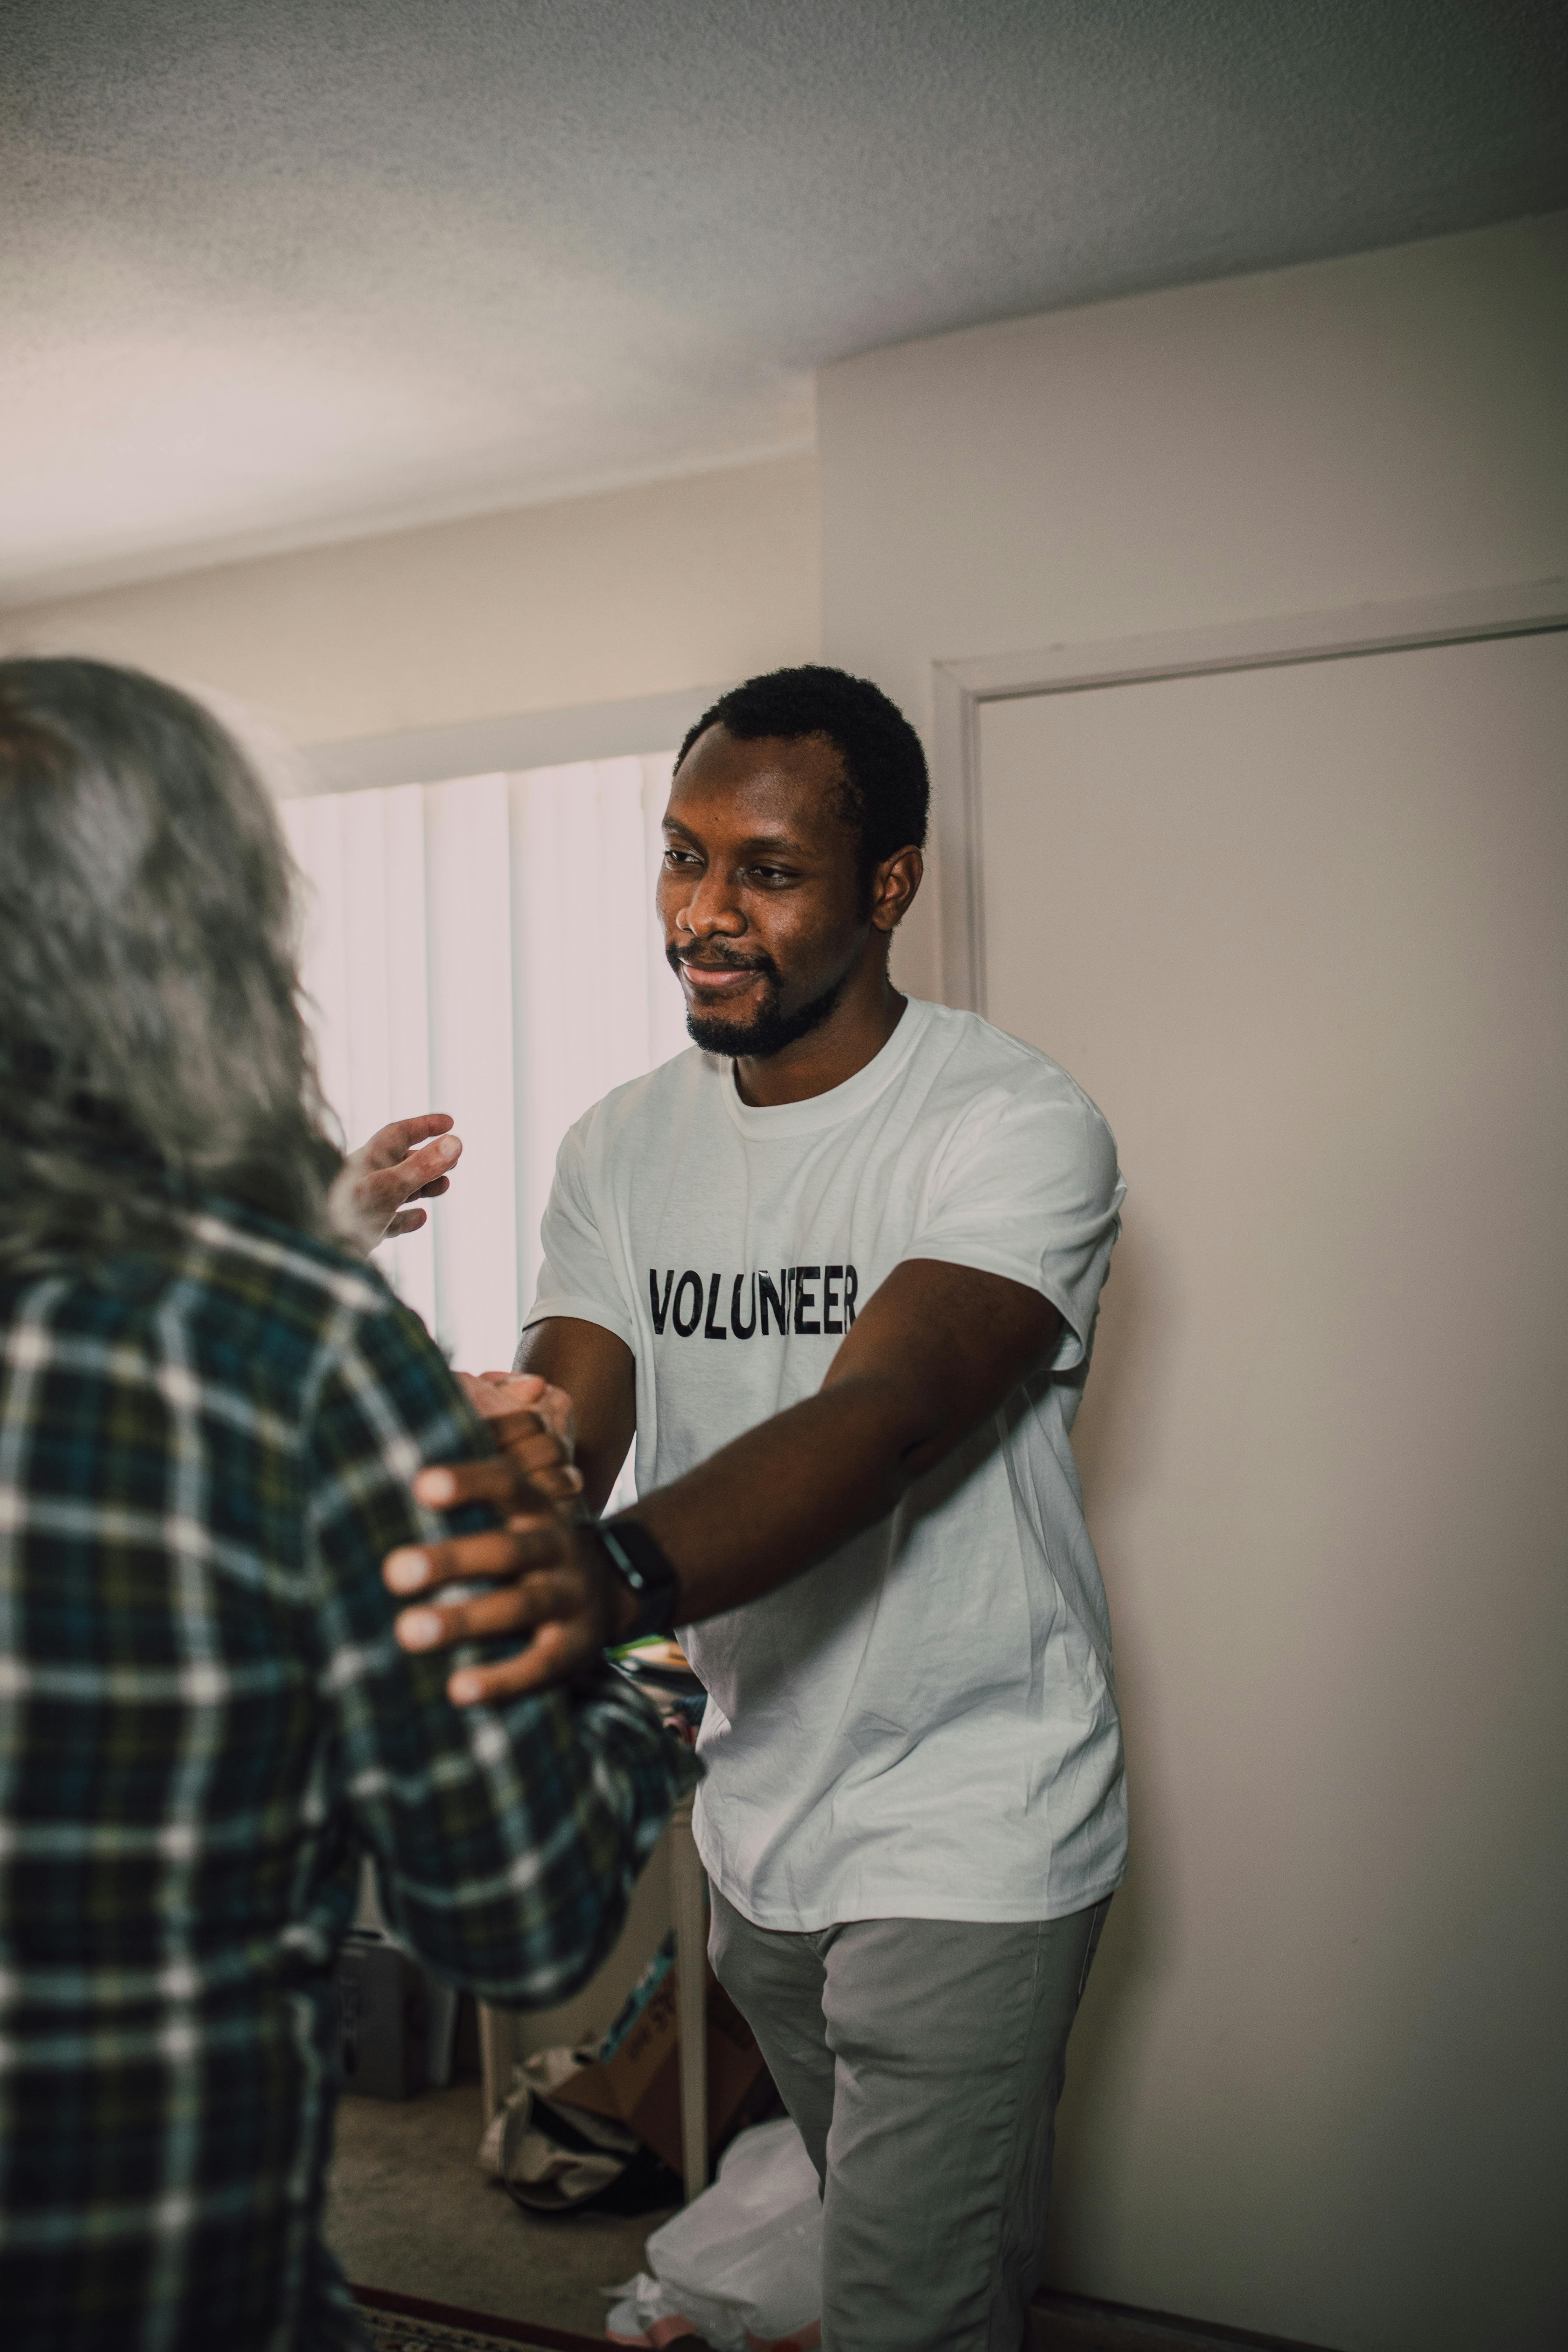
893,887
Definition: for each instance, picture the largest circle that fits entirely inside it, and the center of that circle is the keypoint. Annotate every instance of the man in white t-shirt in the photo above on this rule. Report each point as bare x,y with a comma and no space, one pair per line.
836,1267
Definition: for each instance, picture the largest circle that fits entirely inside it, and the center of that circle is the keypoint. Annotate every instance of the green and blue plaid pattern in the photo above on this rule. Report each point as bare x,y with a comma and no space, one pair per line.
204,1722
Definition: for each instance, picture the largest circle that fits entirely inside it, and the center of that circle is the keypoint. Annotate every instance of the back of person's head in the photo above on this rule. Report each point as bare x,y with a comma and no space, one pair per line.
886,787
152,1046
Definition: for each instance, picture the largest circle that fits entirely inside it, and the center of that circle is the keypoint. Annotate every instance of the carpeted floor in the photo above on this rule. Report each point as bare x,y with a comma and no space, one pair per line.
411,2216
396,2323
410,2212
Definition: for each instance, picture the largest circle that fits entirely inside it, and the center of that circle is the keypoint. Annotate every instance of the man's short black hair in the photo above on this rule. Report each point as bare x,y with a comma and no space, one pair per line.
886,791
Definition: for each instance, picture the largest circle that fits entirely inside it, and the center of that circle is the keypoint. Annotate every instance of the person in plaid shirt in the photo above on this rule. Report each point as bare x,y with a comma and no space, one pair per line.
211,1415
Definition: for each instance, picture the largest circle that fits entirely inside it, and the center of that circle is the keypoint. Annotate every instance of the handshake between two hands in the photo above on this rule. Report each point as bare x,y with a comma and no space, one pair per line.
548,1585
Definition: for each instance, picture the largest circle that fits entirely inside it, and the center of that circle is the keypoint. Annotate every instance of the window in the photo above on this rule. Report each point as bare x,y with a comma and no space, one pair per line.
485,947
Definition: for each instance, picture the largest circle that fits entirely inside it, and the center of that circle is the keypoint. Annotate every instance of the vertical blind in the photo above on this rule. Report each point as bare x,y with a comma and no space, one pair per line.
488,948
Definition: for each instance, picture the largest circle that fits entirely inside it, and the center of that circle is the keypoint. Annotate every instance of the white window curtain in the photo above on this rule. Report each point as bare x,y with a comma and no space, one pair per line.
485,947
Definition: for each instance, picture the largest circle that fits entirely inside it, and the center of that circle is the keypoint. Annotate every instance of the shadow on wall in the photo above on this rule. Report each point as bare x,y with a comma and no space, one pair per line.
1117,1439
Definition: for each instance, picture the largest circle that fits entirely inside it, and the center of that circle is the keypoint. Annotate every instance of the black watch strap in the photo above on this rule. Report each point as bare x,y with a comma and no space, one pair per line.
640,1561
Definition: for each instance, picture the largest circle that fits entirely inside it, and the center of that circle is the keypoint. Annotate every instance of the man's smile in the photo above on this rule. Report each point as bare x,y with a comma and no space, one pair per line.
719,979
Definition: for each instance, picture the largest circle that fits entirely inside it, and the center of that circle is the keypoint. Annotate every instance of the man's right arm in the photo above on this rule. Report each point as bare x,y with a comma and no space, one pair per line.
598,1372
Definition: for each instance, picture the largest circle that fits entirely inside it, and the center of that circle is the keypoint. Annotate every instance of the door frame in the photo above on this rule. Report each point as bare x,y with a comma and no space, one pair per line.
959,689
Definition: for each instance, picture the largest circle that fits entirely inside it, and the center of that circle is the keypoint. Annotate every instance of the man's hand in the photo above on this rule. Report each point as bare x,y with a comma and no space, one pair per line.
405,1161
553,1587
557,1588
535,1425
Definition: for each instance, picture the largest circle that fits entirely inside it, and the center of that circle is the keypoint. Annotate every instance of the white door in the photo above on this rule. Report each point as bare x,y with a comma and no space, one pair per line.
1302,933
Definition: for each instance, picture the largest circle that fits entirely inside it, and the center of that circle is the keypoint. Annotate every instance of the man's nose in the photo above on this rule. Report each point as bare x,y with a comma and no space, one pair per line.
711,911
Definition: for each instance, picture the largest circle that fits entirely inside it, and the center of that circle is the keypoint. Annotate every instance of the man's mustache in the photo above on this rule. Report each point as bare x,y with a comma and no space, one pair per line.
716,959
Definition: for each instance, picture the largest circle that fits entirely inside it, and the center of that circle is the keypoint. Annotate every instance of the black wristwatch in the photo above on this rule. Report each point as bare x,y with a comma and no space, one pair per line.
632,1554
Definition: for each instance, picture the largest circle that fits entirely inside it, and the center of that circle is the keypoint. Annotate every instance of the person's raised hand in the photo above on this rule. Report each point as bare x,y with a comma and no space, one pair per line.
549,1586
403,1161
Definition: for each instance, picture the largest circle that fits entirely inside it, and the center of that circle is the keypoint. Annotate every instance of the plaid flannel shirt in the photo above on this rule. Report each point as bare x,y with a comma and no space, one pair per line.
204,1722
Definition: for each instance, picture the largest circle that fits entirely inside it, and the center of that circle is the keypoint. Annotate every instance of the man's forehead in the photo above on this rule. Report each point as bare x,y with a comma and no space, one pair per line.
769,781
738,758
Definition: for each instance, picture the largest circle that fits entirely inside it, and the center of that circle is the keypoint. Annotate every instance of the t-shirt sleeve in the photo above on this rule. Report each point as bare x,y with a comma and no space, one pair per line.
1028,1187
577,1277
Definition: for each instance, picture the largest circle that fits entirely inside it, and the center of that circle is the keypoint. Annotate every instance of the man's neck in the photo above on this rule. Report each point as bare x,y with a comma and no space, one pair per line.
854,1034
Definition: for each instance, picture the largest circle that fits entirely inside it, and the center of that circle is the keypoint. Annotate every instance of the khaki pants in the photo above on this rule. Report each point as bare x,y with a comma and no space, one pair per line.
921,2060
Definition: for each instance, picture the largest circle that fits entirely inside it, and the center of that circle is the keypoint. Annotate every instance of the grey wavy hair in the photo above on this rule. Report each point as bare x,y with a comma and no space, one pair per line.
153,1048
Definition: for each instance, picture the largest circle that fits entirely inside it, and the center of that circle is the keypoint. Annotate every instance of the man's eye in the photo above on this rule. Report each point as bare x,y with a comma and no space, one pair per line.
774,873
679,857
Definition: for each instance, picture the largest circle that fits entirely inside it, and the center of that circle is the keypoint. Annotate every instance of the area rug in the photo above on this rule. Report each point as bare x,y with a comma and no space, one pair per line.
405,2323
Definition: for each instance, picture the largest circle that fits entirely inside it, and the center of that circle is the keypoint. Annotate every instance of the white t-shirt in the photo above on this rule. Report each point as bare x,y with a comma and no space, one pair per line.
924,1724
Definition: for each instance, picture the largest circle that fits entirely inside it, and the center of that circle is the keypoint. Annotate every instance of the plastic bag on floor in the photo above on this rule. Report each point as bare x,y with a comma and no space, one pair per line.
550,2162
741,2264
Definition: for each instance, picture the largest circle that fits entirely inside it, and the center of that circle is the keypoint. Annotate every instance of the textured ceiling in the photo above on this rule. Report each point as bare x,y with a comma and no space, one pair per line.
276,270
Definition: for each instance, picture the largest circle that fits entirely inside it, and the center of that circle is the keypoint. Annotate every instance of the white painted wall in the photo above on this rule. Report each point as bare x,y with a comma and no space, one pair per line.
1357,431
612,598
1364,431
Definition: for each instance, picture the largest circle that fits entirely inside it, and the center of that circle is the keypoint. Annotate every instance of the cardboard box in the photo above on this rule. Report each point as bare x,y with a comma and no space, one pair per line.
635,2077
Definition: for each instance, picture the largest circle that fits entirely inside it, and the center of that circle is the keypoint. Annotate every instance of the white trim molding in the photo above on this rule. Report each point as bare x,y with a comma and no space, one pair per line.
959,688
482,747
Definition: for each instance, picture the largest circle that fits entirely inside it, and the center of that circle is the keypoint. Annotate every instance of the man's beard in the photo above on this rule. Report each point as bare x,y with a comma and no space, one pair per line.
769,1029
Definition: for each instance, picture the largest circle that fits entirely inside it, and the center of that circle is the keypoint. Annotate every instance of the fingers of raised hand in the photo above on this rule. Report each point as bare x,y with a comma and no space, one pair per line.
370,1195
422,1175
399,1136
